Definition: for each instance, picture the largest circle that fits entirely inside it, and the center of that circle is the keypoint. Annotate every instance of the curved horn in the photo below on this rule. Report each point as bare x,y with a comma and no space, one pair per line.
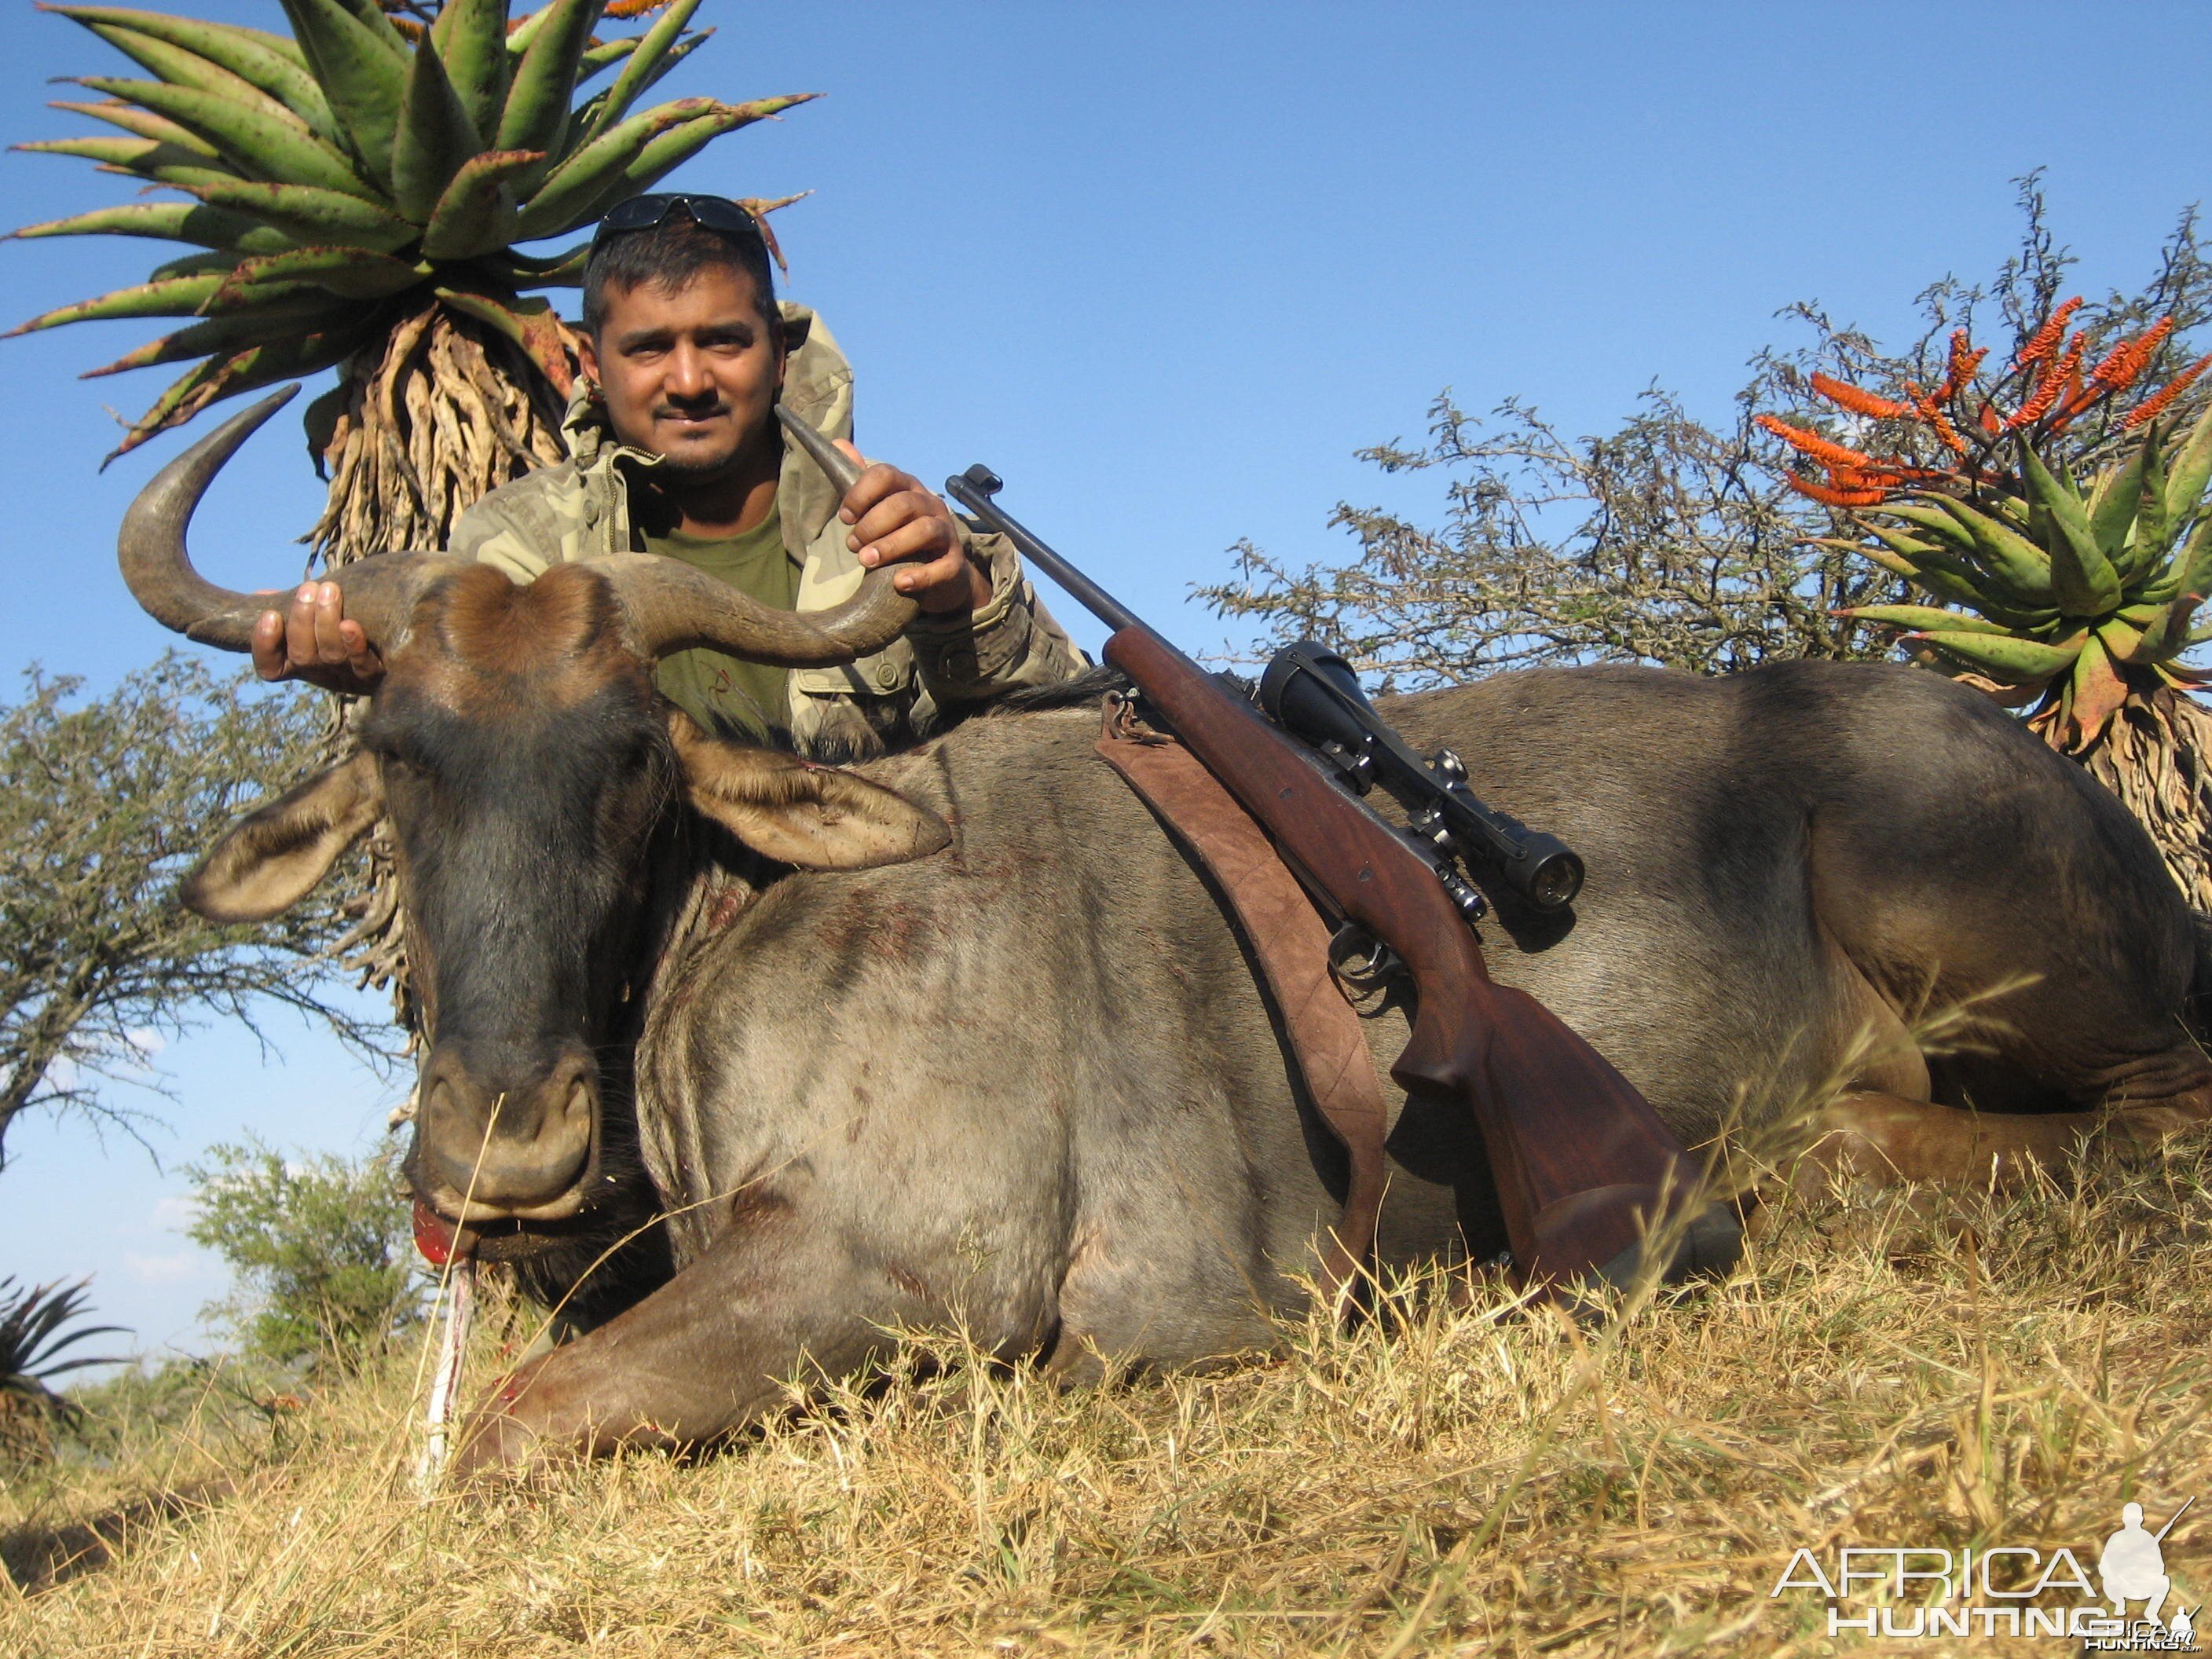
380,593
671,606
841,469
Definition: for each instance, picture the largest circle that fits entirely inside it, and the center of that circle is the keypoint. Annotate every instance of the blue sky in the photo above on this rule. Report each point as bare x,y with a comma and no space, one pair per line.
1165,267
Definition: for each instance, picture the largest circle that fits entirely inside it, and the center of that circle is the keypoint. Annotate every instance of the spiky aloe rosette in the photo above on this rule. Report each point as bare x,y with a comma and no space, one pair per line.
37,1327
2074,596
355,193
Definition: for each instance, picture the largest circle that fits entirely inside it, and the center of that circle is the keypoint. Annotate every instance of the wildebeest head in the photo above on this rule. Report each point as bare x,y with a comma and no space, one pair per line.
526,766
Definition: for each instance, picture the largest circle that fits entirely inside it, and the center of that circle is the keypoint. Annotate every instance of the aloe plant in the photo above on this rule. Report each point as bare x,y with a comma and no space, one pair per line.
37,1327
2073,597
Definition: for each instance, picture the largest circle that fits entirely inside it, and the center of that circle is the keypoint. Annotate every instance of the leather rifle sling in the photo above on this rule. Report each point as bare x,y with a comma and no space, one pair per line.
1291,943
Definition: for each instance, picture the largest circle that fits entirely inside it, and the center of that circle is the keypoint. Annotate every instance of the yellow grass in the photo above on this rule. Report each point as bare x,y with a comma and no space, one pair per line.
1908,1368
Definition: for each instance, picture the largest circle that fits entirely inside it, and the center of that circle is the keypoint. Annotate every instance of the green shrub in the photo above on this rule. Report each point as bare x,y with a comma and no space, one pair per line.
321,1247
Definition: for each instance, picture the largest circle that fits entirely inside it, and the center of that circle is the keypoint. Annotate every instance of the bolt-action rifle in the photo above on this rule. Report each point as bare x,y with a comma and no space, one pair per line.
1584,1168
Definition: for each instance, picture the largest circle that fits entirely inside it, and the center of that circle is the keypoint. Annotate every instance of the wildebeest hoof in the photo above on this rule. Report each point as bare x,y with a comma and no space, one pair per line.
1707,1247
498,1437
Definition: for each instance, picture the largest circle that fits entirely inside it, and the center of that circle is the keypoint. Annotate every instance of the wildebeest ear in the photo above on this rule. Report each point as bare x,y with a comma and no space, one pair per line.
272,858
816,817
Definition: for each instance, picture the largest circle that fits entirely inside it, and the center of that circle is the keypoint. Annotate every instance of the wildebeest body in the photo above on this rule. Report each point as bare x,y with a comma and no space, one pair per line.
1029,1082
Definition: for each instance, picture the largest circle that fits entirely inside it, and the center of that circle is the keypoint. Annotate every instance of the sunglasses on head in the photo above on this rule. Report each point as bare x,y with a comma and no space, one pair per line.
716,213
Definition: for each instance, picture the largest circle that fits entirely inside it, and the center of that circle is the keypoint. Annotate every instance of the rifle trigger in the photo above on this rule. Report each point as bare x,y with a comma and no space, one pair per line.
1362,963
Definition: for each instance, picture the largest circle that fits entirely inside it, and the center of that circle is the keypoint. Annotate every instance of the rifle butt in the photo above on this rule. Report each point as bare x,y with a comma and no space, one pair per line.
1589,1181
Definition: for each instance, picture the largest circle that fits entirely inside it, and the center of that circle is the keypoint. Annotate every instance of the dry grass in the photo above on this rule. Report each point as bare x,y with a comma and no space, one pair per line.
1907,1369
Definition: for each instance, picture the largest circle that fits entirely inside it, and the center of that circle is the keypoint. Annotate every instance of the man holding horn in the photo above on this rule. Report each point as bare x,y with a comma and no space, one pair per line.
675,449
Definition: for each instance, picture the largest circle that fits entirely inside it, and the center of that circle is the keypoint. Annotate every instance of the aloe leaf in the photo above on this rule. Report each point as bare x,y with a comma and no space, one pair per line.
351,273
435,137
471,38
2112,507
2009,661
2080,576
2189,470
2015,562
1922,618
637,73
223,335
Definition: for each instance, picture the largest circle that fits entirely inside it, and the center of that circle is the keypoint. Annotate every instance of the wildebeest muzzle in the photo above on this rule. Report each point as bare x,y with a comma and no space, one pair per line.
499,1140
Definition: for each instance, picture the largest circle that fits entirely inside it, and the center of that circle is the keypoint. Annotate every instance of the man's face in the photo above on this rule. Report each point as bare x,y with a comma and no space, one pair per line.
690,373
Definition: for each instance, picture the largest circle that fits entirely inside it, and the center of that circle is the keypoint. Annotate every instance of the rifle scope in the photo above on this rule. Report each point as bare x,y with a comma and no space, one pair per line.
1311,691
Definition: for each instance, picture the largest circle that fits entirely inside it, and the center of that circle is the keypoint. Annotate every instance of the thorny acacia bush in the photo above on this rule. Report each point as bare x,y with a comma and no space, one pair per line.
105,803
1670,541
1908,1368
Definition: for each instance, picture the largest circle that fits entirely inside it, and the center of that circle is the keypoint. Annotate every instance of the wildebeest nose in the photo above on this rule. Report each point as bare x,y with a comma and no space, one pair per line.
510,1138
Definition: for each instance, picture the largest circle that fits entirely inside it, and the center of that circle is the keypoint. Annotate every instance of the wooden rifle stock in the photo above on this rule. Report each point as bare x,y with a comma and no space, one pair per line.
1583,1164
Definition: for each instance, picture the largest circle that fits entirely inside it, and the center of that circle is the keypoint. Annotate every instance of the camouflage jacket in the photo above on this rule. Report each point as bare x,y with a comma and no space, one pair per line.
579,508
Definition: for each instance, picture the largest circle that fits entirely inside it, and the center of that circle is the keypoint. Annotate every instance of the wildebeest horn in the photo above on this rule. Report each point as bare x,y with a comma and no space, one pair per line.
673,606
841,469
380,592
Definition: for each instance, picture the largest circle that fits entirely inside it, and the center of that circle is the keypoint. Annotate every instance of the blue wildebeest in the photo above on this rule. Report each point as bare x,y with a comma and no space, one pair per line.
958,1032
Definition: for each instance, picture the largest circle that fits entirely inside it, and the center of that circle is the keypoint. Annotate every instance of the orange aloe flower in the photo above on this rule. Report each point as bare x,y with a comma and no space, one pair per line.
1812,444
2151,408
1858,399
2046,339
2135,355
1960,372
1939,423
1831,497
2047,390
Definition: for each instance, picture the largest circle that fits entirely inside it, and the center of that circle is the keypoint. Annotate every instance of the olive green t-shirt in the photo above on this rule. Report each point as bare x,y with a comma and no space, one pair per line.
717,689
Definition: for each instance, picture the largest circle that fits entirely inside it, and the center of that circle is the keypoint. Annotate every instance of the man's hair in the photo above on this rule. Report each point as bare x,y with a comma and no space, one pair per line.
670,255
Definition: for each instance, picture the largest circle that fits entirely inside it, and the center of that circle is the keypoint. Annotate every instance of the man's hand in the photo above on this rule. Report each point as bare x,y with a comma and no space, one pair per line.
896,521
314,642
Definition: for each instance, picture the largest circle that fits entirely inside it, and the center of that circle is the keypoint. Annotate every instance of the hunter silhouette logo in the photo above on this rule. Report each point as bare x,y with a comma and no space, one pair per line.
2133,1566
1987,1590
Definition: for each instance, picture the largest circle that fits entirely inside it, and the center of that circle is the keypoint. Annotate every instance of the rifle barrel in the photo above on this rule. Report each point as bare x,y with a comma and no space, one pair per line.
2175,1516
974,488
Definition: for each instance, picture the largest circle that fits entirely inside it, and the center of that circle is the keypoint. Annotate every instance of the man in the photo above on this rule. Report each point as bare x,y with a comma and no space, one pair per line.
675,449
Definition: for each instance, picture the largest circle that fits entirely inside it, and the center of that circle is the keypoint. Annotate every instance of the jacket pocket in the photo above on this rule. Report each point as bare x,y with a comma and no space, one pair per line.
888,673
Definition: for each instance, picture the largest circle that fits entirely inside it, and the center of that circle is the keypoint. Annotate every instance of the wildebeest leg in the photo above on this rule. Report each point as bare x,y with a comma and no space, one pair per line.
1883,1139
1886,1128
2049,1012
1874,1046
1152,1288
780,1293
